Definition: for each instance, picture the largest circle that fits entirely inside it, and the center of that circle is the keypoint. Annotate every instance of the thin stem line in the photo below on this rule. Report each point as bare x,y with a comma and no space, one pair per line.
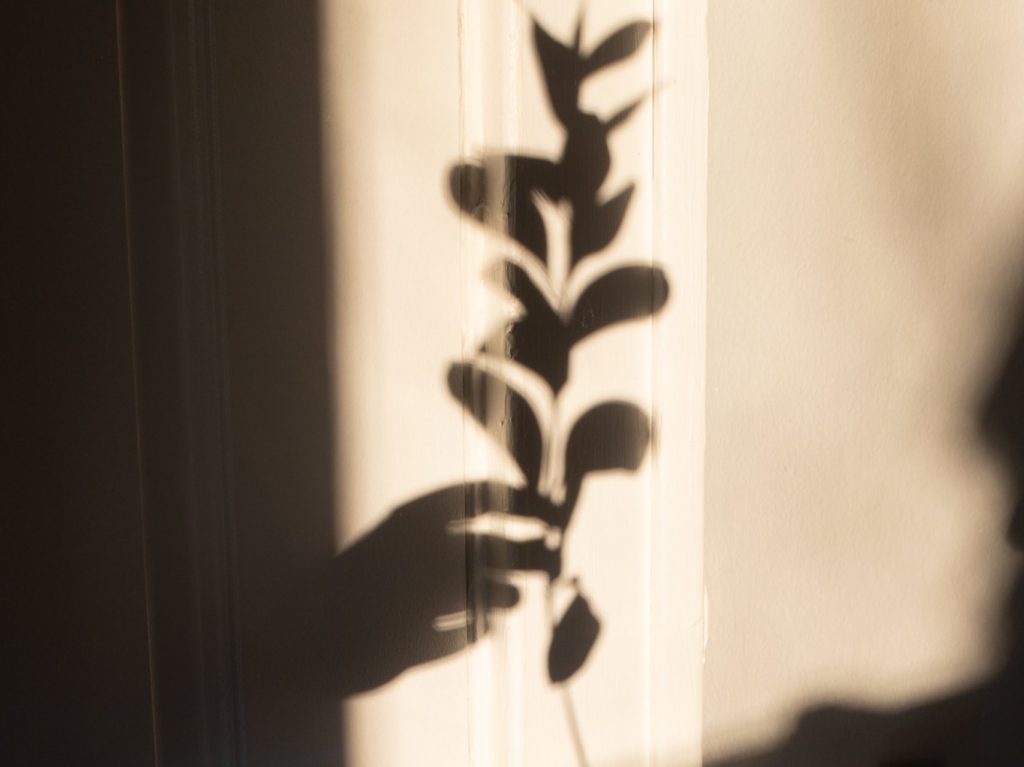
570,709
574,727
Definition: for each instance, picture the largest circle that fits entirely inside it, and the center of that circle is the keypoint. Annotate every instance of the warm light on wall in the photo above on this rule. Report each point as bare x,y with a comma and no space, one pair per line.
562,154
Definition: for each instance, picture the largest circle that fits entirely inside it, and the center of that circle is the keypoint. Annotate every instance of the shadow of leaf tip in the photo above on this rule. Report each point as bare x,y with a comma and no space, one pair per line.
467,186
572,640
456,378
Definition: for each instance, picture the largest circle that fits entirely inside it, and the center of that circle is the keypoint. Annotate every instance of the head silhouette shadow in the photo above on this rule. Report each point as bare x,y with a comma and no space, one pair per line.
980,726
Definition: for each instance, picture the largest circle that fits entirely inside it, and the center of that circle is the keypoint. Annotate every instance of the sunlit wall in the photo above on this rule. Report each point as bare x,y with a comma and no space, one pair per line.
411,91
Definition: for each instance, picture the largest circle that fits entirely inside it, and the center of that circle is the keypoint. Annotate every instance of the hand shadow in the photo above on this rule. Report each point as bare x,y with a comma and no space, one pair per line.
391,587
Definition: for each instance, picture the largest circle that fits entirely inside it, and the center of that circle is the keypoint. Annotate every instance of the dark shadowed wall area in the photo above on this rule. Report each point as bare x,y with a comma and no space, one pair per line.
75,674
166,496
276,310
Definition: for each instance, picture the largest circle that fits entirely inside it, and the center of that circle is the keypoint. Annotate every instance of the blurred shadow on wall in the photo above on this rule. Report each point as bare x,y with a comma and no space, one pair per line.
920,90
979,726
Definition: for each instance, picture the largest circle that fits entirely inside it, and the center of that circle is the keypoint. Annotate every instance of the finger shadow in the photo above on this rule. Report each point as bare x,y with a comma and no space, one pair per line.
393,588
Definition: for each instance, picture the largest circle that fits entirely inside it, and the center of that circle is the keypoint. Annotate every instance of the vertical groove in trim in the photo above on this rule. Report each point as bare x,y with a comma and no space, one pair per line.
170,144
230,520
652,482
130,276
204,123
